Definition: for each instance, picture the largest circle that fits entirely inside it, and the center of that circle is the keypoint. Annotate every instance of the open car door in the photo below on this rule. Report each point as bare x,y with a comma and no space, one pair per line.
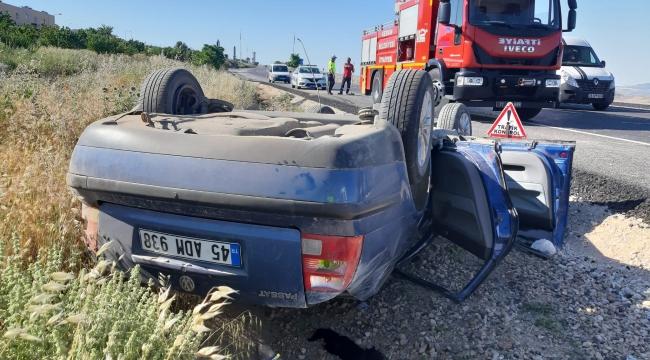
483,192
538,175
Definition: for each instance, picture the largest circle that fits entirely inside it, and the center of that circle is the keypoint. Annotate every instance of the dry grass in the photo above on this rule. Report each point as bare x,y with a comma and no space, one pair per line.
47,98
45,103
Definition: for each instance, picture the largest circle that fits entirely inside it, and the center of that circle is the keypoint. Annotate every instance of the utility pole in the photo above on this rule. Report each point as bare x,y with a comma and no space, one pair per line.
241,49
234,52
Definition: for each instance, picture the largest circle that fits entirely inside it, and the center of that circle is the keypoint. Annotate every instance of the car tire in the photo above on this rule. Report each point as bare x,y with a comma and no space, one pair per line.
528,114
377,90
456,117
320,109
601,106
407,103
172,91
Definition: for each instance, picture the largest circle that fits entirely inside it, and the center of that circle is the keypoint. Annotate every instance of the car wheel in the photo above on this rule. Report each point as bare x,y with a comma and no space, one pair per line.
408,104
377,90
601,106
528,114
455,116
172,91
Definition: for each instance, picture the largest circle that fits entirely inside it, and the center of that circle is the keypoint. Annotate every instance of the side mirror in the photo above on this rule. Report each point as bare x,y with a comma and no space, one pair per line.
573,4
571,22
603,63
444,13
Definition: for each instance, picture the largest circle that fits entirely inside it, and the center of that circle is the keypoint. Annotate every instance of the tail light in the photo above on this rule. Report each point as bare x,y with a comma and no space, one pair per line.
90,215
329,262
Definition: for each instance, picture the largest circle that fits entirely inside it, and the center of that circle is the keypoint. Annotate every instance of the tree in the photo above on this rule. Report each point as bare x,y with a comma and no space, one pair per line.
294,61
212,55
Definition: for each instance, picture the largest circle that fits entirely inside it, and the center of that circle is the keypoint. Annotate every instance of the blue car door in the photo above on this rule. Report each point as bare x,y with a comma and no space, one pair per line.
487,195
538,176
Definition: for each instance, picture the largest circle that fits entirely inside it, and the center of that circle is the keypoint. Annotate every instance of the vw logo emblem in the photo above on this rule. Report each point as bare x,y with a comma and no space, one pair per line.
186,283
596,82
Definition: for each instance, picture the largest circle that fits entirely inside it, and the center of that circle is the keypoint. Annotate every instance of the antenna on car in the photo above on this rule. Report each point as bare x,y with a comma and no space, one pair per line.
311,71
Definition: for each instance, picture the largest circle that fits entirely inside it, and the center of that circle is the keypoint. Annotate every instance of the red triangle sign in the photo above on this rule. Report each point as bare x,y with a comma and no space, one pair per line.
508,125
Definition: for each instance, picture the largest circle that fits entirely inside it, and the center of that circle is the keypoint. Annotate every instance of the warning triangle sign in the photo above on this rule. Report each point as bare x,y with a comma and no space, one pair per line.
508,125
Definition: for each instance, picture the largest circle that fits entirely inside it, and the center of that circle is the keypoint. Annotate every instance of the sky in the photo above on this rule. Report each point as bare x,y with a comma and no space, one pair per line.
619,31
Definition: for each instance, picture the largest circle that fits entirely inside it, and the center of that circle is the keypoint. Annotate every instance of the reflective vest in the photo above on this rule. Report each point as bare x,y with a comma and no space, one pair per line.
331,67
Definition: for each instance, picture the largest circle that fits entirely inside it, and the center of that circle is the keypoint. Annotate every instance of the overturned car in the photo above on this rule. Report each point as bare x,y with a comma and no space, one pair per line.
294,209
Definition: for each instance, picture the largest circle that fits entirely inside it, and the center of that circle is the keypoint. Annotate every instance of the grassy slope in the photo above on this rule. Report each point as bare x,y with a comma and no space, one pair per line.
47,98
45,103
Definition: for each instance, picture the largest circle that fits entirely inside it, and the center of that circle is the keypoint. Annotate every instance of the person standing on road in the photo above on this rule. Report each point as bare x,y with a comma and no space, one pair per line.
348,69
331,74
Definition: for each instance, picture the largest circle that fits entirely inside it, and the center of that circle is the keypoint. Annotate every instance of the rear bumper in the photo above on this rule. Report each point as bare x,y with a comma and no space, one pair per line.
266,252
578,95
499,88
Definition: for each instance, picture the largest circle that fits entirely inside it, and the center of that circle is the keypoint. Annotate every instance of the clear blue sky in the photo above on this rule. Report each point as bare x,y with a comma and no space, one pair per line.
618,30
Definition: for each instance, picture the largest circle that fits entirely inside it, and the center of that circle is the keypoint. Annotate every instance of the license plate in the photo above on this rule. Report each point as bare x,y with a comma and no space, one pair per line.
502,104
596,96
209,251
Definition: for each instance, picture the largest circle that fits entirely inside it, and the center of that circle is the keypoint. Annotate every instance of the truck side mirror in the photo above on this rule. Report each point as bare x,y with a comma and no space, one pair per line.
573,4
603,63
571,22
444,13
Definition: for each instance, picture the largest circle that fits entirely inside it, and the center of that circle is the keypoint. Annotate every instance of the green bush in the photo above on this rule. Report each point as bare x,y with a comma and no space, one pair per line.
100,40
46,313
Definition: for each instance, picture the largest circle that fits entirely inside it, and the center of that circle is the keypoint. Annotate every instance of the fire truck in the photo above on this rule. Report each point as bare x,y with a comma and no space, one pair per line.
479,53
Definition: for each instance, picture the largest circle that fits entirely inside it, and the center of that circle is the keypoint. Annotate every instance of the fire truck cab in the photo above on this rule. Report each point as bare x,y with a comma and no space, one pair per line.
481,53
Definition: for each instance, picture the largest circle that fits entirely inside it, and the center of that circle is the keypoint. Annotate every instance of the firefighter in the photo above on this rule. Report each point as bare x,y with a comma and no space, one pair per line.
331,74
348,69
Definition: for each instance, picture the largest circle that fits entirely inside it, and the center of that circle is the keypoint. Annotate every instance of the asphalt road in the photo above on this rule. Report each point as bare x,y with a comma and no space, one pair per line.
614,144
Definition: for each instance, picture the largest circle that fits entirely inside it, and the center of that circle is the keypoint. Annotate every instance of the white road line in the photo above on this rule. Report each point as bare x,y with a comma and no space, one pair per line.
597,135
629,107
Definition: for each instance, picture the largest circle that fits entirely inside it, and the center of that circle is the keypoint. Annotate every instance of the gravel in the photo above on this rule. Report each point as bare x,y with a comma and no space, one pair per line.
574,306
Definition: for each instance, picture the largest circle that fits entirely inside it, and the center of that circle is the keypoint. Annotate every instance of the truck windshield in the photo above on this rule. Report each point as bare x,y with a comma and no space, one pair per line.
516,13
280,68
580,56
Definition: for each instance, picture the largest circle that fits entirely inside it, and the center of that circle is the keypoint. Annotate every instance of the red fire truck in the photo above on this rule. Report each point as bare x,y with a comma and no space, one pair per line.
481,53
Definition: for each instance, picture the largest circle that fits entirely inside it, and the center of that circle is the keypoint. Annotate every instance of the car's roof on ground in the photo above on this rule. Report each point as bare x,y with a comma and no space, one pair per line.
576,41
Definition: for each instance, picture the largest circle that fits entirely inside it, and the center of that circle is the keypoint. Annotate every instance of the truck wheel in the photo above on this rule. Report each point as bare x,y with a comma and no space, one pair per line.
408,105
320,109
528,114
455,116
439,89
377,90
600,106
172,91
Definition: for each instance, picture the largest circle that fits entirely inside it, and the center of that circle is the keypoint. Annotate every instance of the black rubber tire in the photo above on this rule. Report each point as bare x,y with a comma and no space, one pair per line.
320,109
450,118
377,90
528,113
439,88
601,106
402,106
172,91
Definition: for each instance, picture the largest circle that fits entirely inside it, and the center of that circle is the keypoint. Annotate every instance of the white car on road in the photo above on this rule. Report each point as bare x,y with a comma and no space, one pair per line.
308,76
585,80
279,72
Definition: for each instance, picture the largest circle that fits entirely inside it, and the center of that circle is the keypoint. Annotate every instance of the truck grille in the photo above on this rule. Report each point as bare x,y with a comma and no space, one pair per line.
590,87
